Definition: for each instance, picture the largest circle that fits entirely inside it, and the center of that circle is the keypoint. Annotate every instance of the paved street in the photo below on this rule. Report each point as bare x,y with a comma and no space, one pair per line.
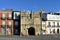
45,37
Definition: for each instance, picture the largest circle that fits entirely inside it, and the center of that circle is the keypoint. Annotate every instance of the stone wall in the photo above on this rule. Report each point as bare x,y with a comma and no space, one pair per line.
30,21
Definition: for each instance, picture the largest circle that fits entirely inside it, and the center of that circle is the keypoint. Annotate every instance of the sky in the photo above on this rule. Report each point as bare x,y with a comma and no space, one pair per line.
34,5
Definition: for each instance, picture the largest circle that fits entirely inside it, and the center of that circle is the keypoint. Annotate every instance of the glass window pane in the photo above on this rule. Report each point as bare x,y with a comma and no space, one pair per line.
49,24
3,23
10,16
3,15
10,22
16,23
53,30
9,31
3,30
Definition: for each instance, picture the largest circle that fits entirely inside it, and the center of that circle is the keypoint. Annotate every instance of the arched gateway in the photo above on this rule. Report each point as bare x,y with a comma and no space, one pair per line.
31,31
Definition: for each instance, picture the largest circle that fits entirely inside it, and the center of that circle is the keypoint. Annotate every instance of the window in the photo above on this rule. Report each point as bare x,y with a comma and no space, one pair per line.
4,31
43,31
10,16
49,25
16,23
3,24
53,30
16,15
10,24
58,31
9,31
3,16
16,31
57,24
0,15
50,31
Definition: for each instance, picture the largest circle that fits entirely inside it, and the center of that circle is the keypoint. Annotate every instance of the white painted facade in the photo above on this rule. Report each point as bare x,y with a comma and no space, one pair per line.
52,25
46,29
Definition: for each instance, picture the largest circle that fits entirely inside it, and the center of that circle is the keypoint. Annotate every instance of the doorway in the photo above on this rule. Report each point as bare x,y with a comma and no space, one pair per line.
31,31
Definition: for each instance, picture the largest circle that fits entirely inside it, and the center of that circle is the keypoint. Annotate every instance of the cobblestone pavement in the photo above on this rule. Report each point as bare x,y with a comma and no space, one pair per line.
42,37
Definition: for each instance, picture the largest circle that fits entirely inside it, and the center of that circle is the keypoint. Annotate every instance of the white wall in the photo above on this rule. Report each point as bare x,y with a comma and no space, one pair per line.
53,17
48,29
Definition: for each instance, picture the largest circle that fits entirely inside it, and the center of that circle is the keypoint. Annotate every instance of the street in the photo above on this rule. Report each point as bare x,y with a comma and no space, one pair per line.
42,37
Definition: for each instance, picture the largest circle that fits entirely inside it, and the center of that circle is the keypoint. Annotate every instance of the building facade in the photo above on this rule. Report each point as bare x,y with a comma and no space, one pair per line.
20,23
6,22
30,23
17,25
52,24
